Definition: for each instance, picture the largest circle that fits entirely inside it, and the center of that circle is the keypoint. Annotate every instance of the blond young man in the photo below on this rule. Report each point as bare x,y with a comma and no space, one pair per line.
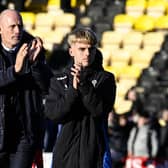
80,99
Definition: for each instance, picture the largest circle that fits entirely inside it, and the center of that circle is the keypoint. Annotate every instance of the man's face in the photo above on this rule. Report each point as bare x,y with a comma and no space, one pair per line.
11,29
83,53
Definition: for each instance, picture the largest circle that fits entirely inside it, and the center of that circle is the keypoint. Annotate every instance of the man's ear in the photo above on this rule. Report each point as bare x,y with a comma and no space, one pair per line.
70,52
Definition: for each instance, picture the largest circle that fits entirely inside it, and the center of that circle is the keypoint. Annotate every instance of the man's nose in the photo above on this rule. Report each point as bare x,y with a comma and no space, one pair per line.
87,52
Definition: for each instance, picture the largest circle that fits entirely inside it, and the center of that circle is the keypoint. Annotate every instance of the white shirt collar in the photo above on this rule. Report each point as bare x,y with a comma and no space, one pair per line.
8,49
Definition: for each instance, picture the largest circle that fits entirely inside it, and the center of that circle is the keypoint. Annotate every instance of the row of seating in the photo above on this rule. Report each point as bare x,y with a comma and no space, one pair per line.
48,21
150,7
143,23
132,40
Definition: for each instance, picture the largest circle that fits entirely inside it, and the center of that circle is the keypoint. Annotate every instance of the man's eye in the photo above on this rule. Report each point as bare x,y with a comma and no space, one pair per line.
82,49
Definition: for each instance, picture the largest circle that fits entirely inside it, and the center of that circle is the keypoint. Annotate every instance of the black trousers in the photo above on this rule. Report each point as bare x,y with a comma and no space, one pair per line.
21,158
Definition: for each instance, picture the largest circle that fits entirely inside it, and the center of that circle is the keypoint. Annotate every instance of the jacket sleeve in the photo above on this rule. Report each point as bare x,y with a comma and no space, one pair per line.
100,100
154,143
59,102
7,76
130,141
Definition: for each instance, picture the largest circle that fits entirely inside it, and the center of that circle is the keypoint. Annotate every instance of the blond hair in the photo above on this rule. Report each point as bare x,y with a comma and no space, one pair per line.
82,35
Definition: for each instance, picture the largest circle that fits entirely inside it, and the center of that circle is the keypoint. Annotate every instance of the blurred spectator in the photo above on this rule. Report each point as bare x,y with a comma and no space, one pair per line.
135,95
163,137
118,128
143,139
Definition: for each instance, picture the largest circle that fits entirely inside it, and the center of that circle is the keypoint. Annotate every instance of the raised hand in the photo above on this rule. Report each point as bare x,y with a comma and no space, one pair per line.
21,55
75,71
34,48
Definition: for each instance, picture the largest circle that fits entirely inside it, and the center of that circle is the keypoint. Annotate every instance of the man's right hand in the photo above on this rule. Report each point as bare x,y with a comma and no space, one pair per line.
75,71
21,55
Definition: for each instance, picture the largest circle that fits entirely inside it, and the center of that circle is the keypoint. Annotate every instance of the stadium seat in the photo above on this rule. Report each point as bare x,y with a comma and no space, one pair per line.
120,57
161,23
44,21
28,20
116,70
53,5
123,22
132,40
54,38
144,23
135,8
65,20
106,56
130,72
111,39
122,106
153,41
141,58
156,8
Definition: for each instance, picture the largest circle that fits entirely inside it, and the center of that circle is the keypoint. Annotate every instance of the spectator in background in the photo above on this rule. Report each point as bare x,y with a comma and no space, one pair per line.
143,140
80,99
119,128
24,80
163,137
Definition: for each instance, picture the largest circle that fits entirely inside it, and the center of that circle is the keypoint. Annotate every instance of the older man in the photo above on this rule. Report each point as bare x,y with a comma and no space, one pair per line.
24,78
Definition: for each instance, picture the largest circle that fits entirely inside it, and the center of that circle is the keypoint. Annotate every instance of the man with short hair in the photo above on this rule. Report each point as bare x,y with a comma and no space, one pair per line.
80,99
24,78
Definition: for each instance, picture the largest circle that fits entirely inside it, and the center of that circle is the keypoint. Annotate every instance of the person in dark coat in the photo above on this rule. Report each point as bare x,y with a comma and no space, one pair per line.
24,80
80,99
163,136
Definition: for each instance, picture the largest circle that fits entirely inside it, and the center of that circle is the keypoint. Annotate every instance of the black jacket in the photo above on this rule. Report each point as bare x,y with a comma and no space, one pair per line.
82,113
26,90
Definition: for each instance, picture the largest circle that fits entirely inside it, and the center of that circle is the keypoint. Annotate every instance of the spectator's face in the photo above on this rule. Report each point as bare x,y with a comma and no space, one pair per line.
83,53
165,114
11,29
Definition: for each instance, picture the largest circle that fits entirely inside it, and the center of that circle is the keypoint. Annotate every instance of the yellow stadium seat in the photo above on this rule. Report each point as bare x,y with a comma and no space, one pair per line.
36,32
28,20
122,106
141,58
156,8
123,22
44,21
111,38
120,57
161,23
127,82
53,5
116,70
53,38
85,21
130,72
106,56
132,40
144,23
65,20
153,40
124,85
135,8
